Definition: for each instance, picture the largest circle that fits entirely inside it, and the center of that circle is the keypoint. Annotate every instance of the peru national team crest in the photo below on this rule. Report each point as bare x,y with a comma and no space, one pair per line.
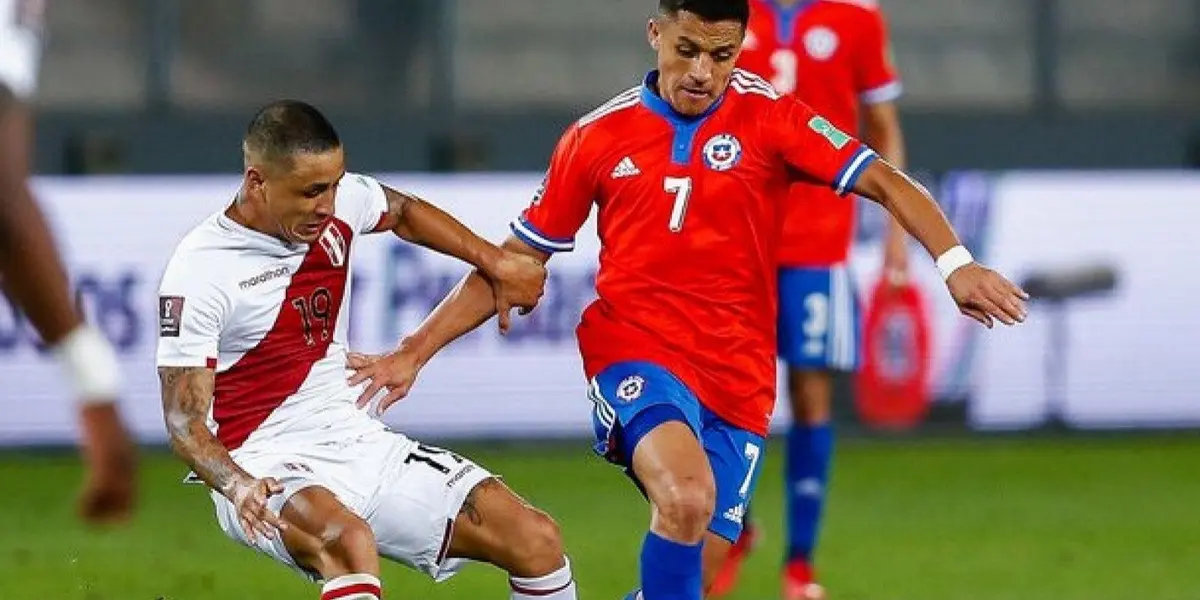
334,244
722,152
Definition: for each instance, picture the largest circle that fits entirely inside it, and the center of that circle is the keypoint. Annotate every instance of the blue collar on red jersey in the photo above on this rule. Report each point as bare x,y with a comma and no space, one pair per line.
685,127
785,18
662,108
787,9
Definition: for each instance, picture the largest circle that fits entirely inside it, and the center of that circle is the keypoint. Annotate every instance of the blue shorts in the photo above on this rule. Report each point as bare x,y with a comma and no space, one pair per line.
632,398
820,320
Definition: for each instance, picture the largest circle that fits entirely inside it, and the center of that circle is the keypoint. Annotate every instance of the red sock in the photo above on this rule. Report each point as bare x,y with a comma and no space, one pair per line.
800,571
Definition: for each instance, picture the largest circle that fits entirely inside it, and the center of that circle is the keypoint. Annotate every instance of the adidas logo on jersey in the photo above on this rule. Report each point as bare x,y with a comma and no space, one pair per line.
625,168
736,513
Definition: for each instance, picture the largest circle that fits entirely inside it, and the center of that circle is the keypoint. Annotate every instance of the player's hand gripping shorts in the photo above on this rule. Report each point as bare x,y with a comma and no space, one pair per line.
407,492
820,320
646,395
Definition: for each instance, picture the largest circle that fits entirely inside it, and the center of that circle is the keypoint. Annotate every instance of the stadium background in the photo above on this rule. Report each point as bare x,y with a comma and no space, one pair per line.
1057,461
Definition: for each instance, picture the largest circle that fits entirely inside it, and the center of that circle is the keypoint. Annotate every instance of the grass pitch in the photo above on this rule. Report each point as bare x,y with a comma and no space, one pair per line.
966,519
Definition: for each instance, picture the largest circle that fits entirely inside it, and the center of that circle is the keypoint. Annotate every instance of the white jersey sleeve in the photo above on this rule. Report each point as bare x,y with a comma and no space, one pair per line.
192,310
20,45
361,202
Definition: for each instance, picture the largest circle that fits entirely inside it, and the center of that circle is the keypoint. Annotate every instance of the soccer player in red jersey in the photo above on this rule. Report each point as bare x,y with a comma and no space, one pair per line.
688,170
834,56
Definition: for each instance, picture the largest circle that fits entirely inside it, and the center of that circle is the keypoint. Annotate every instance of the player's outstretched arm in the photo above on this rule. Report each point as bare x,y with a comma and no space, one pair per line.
882,132
980,293
558,210
467,306
187,394
515,280
471,303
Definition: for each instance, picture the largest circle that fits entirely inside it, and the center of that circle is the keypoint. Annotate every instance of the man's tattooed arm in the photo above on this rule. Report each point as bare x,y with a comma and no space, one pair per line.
187,394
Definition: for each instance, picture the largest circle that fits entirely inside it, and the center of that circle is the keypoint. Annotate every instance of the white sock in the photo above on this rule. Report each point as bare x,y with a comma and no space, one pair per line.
559,585
358,586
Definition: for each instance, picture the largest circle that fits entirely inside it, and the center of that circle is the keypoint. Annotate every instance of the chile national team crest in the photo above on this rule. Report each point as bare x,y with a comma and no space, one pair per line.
820,43
630,388
722,152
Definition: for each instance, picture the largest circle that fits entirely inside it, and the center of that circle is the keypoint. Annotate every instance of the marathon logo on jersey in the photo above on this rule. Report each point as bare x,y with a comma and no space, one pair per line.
463,472
334,244
297,467
170,315
722,152
822,126
631,388
283,271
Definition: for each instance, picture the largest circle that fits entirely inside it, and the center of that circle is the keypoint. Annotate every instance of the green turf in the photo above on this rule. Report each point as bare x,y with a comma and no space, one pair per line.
1090,519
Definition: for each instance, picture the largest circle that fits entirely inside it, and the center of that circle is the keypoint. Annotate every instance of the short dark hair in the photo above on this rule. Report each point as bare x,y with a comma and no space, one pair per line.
709,10
285,128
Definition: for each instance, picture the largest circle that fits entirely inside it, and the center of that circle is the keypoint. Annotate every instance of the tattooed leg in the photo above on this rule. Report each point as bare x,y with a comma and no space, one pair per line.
470,508
495,525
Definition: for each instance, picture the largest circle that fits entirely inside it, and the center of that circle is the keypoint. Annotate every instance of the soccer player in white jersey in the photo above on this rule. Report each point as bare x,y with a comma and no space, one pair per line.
252,357
33,277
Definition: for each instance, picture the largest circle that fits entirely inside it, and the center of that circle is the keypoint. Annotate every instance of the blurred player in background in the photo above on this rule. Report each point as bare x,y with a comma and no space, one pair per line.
834,56
253,324
688,171
33,277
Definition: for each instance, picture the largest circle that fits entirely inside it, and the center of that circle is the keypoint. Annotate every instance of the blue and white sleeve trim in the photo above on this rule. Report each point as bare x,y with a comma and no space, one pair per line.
852,170
884,93
530,235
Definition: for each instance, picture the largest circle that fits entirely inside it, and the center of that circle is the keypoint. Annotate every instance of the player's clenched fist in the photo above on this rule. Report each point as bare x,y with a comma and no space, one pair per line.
250,496
985,295
517,280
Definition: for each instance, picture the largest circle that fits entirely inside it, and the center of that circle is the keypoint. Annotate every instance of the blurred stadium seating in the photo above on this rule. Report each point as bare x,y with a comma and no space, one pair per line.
985,81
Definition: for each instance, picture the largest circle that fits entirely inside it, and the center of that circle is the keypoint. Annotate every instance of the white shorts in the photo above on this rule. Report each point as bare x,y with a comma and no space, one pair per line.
408,493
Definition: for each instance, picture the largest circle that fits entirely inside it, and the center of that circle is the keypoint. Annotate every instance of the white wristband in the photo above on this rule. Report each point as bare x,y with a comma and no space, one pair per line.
953,259
91,363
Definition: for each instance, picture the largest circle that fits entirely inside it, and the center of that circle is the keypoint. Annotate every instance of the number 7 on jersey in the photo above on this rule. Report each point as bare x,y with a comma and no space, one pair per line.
682,188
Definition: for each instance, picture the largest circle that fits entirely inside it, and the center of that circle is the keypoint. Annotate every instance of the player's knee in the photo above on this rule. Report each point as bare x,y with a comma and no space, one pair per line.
538,549
351,544
685,507
810,411
810,393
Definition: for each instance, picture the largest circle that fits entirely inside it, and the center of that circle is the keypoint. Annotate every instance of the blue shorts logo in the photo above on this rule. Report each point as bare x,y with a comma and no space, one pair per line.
722,152
630,388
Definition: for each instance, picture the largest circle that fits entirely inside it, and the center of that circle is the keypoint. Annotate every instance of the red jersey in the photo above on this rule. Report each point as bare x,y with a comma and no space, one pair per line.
688,227
834,55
